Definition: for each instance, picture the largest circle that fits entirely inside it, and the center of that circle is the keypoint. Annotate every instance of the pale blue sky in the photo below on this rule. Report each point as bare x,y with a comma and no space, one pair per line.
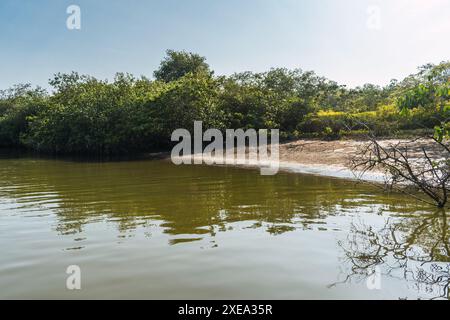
328,36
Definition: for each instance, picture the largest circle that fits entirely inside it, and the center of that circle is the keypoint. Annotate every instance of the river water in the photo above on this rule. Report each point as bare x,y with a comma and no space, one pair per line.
148,229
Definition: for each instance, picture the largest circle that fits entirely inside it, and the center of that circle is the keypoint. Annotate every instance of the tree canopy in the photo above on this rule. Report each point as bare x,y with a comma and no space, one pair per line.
176,64
85,115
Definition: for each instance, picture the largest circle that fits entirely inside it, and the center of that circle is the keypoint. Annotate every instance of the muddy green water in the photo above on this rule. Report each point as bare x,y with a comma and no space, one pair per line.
149,229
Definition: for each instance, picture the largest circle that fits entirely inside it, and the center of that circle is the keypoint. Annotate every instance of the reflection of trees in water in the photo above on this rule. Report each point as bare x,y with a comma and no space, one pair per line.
415,249
190,200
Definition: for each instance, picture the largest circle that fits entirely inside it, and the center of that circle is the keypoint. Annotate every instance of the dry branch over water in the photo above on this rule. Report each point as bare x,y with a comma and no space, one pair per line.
409,165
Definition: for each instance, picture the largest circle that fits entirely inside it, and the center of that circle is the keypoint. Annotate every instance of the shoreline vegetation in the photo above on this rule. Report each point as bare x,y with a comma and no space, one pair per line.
82,115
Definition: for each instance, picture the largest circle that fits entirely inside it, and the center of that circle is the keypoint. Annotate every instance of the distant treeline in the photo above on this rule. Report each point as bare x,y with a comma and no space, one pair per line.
86,115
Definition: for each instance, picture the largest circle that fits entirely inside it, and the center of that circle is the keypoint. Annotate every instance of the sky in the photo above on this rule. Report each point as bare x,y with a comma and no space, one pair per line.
350,41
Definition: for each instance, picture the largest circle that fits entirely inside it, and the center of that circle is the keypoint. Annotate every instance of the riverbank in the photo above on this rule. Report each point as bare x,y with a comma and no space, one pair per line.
320,157
333,158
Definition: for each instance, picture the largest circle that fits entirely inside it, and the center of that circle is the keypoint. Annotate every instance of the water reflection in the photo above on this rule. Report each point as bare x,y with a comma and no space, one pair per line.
416,250
186,200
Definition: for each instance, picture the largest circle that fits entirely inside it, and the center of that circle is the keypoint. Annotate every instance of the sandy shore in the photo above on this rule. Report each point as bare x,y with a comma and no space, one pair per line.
333,158
330,158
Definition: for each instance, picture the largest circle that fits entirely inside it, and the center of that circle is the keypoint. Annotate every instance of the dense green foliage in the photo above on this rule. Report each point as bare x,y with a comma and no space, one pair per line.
179,63
432,93
86,115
